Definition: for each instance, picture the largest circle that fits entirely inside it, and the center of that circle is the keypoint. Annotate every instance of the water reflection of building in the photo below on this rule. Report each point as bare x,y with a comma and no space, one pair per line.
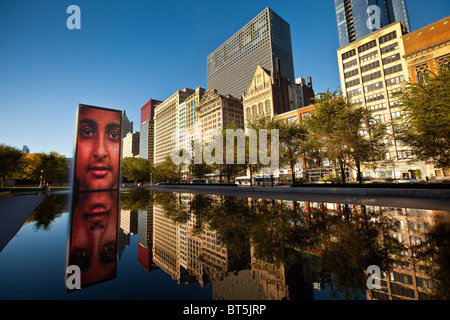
145,239
408,279
283,282
165,242
129,221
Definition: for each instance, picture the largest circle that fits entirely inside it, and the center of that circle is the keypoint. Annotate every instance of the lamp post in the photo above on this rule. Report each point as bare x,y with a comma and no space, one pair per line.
40,181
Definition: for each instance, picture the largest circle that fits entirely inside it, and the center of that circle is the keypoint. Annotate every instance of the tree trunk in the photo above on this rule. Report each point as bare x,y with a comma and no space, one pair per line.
358,171
251,176
341,165
293,173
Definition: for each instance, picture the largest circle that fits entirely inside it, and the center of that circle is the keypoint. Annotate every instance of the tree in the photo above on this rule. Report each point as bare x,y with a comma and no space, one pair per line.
264,122
426,126
294,143
136,169
348,133
9,162
53,167
166,171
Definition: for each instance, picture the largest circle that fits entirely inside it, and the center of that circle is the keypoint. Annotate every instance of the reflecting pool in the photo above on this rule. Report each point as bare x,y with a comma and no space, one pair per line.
161,245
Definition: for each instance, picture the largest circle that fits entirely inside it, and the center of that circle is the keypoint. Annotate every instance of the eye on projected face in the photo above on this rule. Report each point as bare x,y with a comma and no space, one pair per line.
98,149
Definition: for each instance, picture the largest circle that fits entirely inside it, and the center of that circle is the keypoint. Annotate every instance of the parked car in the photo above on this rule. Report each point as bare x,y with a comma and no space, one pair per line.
406,180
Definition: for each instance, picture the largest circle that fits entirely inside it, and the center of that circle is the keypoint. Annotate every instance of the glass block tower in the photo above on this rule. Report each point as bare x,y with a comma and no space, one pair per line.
352,16
232,65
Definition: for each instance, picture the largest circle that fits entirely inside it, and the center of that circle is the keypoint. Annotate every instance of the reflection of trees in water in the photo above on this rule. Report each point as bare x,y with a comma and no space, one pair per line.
341,240
435,250
48,210
136,199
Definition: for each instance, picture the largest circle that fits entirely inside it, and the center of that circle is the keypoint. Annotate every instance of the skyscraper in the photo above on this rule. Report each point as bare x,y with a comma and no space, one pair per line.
355,19
266,37
147,129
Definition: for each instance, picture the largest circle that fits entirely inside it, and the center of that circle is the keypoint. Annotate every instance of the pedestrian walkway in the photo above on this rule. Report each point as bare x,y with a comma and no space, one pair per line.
14,211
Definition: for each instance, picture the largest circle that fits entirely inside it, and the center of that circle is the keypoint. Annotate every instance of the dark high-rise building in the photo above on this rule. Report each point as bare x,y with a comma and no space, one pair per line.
127,125
232,65
147,129
355,19
148,110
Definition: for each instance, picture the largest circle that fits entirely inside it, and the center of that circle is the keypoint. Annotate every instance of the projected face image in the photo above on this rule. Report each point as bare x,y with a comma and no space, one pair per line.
98,149
93,245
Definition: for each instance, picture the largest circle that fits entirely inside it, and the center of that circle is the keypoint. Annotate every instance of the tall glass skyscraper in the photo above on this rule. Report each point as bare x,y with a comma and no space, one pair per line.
262,40
352,17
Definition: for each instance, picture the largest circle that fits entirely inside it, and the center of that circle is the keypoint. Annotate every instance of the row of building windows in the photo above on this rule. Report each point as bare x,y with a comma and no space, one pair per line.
258,110
389,48
377,107
393,69
375,97
350,64
351,73
368,56
387,37
352,83
395,80
392,58
372,76
374,86
370,66
367,46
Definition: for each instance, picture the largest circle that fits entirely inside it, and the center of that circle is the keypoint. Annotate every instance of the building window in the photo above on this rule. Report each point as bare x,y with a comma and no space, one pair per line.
249,112
348,54
352,83
441,61
422,72
372,76
260,108
267,107
389,48
367,46
393,69
254,112
388,37
395,80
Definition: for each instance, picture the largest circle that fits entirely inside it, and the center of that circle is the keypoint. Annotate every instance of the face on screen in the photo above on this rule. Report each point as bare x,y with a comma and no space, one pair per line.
93,244
98,149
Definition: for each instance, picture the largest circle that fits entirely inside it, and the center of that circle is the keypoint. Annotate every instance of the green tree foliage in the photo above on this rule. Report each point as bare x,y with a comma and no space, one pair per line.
347,133
426,127
136,169
166,171
53,166
9,162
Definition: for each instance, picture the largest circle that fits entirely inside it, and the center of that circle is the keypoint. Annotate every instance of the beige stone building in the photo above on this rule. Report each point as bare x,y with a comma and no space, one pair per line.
166,124
218,111
267,95
372,69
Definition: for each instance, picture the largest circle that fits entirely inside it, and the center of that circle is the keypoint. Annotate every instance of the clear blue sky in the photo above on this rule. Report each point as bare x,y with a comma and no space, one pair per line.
130,51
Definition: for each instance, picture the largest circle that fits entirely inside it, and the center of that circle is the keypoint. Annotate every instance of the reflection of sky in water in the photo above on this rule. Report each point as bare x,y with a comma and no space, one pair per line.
33,267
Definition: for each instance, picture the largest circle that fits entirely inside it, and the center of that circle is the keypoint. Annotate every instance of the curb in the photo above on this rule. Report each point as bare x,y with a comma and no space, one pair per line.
387,192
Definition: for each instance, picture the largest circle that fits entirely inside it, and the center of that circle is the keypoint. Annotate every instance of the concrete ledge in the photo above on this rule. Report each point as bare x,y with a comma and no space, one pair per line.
386,192
14,211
